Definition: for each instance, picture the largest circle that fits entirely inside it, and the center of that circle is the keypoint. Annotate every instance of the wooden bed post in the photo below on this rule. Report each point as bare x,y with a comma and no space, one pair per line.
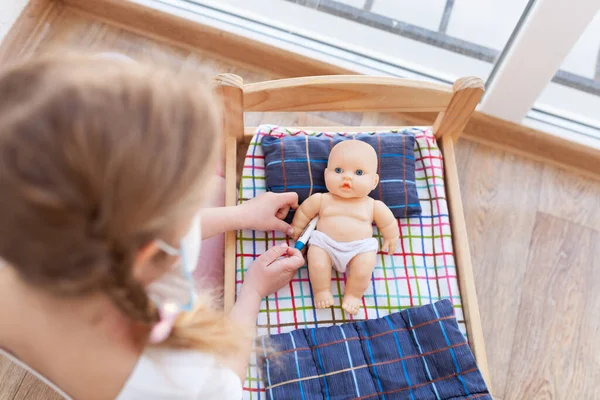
230,90
447,128
452,121
462,258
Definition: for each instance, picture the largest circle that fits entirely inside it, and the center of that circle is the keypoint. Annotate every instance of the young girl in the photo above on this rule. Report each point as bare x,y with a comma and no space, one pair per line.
104,166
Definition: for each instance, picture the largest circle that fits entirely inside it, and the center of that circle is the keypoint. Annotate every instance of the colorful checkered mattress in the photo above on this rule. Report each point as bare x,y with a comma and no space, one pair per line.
421,271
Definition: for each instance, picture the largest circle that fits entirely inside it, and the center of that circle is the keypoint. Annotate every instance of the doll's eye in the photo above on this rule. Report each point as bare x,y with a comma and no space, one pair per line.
338,170
359,172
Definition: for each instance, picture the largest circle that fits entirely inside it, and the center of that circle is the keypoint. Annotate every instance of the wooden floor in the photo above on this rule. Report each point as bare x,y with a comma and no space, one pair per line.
534,233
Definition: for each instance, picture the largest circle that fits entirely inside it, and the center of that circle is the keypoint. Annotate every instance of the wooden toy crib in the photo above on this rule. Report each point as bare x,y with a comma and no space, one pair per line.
355,93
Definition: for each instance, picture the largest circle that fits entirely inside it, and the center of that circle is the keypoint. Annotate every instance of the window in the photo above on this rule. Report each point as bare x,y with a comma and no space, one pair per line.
574,92
443,39
540,58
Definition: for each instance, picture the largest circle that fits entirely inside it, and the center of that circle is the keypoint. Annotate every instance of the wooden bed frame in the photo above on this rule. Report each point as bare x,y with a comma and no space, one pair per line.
454,106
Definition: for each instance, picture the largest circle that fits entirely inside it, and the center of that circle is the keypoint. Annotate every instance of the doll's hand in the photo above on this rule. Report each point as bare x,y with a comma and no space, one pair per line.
268,273
266,211
389,245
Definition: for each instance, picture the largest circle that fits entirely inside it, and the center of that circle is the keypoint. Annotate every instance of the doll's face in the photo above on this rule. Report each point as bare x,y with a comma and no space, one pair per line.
351,169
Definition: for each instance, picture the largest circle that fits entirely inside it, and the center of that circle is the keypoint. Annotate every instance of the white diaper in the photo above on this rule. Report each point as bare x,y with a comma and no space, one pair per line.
342,252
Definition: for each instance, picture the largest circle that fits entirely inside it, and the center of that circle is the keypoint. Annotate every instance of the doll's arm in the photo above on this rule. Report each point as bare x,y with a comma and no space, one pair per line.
387,224
305,213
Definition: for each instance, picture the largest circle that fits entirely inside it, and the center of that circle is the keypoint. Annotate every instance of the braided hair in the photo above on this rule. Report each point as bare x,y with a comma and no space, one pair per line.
98,158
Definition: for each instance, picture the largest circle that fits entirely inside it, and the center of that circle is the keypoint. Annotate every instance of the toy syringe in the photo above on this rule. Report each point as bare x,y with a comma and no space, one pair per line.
303,239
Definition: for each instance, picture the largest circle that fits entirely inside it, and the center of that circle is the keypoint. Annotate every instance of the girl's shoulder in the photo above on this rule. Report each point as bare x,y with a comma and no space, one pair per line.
163,373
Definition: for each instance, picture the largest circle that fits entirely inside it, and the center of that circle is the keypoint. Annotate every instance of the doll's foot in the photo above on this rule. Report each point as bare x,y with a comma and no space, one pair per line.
351,304
323,299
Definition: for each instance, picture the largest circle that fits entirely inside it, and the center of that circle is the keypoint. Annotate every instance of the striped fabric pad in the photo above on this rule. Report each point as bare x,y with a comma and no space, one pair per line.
420,272
417,353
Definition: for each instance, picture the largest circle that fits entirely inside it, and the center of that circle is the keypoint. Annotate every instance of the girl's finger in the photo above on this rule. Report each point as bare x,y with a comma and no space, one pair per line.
297,255
289,199
290,263
283,212
283,227
294,252
273,254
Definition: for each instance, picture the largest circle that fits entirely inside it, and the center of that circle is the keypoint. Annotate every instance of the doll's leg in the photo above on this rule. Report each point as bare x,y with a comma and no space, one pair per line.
319,272
360,270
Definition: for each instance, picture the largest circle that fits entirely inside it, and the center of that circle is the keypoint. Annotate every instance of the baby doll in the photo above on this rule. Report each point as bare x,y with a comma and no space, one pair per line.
344,234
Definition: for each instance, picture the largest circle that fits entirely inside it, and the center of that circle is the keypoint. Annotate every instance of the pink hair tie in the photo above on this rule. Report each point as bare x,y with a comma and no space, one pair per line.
161,331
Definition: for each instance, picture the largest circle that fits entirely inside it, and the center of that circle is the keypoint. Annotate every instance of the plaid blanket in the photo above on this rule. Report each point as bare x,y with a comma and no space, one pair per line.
421,271
418,353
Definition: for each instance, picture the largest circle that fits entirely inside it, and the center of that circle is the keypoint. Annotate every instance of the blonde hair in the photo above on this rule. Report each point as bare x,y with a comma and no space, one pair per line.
97,159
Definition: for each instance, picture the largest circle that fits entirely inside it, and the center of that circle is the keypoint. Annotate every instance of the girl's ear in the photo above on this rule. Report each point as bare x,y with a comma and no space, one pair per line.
143,270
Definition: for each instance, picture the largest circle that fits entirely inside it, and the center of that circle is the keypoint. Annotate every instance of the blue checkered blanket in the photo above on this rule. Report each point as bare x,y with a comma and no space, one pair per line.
417,353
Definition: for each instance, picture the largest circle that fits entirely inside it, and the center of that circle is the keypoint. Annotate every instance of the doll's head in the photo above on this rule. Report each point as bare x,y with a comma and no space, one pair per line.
351,169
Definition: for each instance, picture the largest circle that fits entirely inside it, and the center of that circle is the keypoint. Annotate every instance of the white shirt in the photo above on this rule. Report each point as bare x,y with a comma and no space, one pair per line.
169,374
180,375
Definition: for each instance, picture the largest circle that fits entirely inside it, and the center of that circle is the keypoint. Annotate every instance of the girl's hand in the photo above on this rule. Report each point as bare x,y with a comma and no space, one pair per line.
266,212
268,273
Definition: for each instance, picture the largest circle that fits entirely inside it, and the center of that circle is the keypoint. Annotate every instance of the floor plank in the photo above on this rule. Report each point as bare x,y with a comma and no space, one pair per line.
500,214
549,339
33,389
11,377
587,359
568,195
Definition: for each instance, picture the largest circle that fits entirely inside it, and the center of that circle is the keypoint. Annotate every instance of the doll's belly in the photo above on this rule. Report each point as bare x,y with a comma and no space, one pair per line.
344,229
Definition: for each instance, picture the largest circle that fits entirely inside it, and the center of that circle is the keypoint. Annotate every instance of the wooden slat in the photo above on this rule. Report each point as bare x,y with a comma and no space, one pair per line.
26,29
462,256
229,291
251,130
346,93
184,32
33,389
229,89
11,378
